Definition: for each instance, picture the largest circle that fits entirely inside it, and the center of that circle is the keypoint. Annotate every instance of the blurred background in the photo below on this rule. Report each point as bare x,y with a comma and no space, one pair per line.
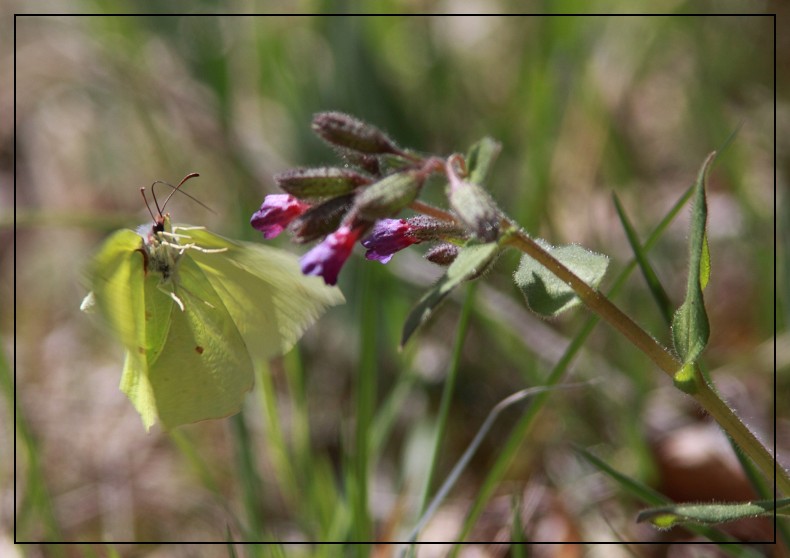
583,106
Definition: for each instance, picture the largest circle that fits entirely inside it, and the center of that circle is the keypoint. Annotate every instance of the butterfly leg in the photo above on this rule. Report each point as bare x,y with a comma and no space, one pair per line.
204,250
188,246
193,228
184,247
172,295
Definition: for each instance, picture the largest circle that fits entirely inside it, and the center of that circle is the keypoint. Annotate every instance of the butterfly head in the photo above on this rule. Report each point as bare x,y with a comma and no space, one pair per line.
150,233
161,220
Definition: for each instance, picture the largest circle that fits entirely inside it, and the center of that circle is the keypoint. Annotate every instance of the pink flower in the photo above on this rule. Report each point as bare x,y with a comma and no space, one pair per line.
276,212
327,258
388,236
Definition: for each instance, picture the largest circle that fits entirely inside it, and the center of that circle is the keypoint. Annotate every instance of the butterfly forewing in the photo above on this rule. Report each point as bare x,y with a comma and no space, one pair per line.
263,289
116,276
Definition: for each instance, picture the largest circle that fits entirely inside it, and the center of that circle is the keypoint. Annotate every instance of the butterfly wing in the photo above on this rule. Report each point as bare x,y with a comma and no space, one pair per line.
270,300
204,370
192,365
136,311
116,276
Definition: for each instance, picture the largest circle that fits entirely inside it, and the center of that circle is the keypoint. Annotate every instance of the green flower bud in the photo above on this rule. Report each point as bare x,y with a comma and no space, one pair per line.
321,220
368,163
345,131
320,182
473,204
389,195
426,228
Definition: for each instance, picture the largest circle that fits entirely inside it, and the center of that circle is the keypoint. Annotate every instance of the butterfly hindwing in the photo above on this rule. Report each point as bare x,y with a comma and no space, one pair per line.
205,368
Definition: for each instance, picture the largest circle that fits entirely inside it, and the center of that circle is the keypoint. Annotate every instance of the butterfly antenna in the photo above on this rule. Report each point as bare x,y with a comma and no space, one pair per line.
147,205
177,189
153,195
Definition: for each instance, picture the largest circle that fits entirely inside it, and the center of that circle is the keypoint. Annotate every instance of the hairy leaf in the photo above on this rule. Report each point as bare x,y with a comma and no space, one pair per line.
546,294
711,514
470,263
690,328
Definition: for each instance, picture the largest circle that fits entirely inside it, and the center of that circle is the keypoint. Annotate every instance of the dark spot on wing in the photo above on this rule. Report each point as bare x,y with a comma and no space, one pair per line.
141,350
199,350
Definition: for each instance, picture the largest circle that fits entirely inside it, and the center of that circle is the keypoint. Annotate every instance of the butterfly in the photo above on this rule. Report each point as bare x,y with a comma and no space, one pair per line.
195,311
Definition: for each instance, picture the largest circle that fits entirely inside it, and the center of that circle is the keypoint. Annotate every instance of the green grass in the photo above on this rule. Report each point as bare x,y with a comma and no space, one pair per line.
339,441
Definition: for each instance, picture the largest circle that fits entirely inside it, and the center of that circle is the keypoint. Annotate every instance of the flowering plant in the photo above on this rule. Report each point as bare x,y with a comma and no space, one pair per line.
363,202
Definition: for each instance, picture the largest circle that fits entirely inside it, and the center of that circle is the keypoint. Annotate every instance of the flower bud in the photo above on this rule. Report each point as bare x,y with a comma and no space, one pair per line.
442,254
425,228
345,131
321,219
320,182
368,163
389,195
476,208
392,235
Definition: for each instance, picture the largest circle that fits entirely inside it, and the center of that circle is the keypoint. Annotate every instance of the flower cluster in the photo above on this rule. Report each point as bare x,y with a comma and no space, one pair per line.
345,205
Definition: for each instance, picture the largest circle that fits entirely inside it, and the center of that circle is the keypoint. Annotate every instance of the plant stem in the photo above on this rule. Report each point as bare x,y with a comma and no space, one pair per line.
432,211
666,361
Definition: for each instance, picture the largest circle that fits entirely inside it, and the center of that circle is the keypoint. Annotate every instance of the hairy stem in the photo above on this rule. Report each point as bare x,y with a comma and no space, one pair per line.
664,359
432,211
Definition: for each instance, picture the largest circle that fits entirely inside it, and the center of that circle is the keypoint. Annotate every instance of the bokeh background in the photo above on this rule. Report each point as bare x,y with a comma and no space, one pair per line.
583,106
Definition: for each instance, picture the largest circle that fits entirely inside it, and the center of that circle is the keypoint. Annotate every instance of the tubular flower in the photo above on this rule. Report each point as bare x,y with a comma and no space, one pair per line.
276,212
327,258
387,237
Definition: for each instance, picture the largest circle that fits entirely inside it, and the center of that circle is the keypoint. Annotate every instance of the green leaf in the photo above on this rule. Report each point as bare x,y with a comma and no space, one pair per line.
470,263
690,328
645,494
712,514
546,294
685,379
704,264
480,158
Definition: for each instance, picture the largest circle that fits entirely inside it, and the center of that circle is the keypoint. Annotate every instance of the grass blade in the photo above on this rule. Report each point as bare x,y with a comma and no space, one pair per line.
447,393
250,481
459,467
653,283
36,512
557,373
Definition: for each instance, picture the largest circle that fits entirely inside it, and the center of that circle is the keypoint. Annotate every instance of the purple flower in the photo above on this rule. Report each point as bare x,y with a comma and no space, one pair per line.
327,258
276,212
388,236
